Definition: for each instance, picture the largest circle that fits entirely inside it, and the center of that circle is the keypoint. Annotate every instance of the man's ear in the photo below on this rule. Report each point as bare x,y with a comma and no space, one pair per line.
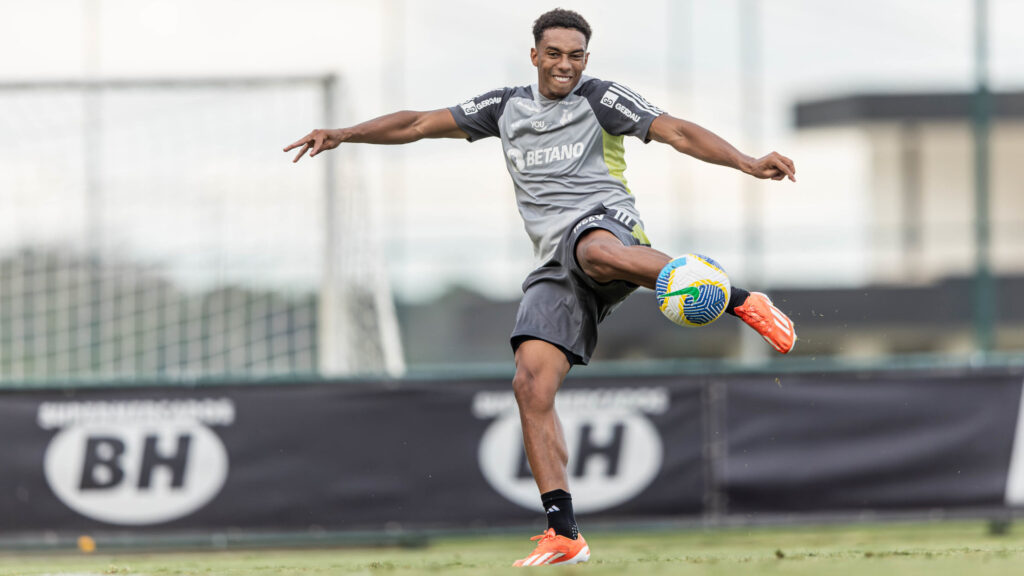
533,56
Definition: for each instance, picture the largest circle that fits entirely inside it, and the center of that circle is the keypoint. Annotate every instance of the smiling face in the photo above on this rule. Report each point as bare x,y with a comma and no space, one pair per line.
560,58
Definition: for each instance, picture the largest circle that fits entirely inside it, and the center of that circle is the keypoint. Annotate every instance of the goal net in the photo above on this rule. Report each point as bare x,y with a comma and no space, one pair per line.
153,228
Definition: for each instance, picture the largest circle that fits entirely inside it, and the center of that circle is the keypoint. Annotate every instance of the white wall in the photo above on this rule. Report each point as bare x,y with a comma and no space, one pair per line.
946,205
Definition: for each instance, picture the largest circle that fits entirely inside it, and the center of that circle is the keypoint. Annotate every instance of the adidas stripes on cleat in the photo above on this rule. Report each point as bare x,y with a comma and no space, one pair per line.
770,322
555,549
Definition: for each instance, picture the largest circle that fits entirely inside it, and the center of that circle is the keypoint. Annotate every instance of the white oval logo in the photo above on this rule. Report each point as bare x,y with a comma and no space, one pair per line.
136,473
613,455
515,156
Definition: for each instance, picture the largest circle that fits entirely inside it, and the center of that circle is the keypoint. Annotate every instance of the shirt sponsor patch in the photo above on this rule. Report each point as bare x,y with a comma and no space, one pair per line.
541,156
471,107
628,113
609,99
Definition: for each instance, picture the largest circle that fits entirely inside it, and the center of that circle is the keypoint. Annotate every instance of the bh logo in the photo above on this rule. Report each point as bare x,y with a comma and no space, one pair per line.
136,462
615,451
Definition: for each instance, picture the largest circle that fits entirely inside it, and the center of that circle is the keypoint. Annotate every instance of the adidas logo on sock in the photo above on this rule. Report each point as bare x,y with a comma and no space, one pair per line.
553,509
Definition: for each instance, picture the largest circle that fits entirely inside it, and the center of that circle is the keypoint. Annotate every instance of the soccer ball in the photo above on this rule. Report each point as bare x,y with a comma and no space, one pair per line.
692,290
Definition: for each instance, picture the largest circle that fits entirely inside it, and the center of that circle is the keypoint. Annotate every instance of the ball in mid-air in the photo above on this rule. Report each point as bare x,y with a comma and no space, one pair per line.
692,290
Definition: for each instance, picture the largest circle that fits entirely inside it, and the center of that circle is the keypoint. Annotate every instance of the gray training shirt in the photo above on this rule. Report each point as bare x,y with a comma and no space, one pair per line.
566,156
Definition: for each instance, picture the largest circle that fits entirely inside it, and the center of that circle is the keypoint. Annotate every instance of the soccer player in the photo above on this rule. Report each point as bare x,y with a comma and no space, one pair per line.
562,139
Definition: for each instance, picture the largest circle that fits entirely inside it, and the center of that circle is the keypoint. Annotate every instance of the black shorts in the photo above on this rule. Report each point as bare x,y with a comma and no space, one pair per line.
561,304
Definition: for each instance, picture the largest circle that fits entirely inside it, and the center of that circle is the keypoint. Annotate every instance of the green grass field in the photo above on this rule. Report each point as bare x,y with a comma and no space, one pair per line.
935,549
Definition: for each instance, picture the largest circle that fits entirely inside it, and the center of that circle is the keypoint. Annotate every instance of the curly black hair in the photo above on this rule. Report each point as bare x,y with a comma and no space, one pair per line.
559,18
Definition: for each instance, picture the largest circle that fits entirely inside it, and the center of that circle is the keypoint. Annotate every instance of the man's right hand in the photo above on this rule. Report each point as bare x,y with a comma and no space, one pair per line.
396,128
315,142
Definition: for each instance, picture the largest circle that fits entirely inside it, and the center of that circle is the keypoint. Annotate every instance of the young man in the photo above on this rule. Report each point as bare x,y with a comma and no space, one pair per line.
562,139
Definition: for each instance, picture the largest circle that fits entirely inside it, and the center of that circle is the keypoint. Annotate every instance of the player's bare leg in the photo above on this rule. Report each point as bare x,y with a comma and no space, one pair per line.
540,369
604,258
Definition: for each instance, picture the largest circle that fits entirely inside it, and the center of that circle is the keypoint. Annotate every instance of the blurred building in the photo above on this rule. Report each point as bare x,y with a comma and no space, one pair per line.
918,162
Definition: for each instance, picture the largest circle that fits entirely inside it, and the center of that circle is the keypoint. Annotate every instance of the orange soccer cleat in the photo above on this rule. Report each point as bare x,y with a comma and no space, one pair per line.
770,322
555,549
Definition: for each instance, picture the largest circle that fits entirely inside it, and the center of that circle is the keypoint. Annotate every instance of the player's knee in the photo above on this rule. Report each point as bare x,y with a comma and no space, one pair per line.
599,259
533,391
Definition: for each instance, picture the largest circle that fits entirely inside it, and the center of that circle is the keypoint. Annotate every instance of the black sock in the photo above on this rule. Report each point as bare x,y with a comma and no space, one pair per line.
558,505
737,298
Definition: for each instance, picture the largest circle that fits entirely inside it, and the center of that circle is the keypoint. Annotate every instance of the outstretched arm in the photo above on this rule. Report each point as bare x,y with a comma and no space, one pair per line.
397,128
705,145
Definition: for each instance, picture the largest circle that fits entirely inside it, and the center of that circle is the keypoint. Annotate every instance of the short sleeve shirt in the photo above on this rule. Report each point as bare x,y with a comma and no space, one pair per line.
566,157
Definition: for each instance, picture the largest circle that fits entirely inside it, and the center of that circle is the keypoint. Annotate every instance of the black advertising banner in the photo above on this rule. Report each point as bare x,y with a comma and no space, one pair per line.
870,441
336,455
411,454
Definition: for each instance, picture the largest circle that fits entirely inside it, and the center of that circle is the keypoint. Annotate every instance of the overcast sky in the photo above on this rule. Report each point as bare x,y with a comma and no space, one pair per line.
450,204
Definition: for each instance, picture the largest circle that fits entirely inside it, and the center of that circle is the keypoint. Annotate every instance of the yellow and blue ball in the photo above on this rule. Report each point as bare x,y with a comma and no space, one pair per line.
692,290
